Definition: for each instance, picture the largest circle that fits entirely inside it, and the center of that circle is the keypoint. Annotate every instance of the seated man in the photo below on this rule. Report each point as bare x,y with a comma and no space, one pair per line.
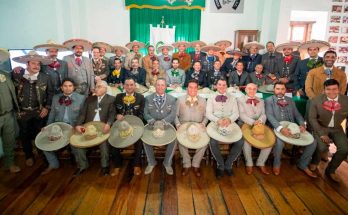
136,72
154,73
116,77
197,74
214,75
239,77
175,76
281,108
327,112
257,77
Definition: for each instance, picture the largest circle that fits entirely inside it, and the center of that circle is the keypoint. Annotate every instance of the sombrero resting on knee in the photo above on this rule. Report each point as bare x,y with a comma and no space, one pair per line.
93,135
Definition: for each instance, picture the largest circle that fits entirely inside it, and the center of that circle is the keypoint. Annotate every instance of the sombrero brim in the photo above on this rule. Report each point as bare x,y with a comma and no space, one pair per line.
169,47
4,55
268,141
134,43
44,47
87,45
212,130
26,58
232,52
322,45
177,44
42,142
248,45
263,89
214,48
78,140
141,89
106,46
194,43
113,91
185,141
168,137
227,43
123,49
138,128
293,46
305,138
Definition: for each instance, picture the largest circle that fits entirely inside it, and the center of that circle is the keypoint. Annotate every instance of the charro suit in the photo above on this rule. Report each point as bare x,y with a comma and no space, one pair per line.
302,70
147,61
139,76
129,58
184,60
57,74
251,62
165,62
268,61
238,80
202,78
197,57
287,70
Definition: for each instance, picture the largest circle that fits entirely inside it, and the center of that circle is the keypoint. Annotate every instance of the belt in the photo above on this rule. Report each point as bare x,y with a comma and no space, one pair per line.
29,108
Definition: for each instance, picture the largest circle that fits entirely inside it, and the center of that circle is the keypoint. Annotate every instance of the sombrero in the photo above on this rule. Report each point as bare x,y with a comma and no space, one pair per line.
161,47
259,136
113,91
227,43
322,45
192,135
292,45
253,43
231,51
135,43
92,136
210,47
87,45
158,134
228,135
122,48
266,89
4,55
194,43
104,45
126,132
50,44
33,56
299,139
177,44
54,136
140,88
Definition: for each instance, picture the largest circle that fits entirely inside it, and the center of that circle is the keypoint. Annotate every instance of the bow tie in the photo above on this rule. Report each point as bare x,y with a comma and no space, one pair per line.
282,102
331,105
78,61
55,65
259,76
153,58
253,56
191,101
166,59
155,72
288,59
181,55
252,101
175,73
221,98
197,56
65,100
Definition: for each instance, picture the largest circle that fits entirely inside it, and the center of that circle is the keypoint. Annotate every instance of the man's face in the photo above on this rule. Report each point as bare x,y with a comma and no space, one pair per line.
210,52
102,51
332,91
259,68
129,86
52,53
287,51
253,50
329,59
78,50
182,48
67,88
165,51
33,66
96,53
160,86
221,86
151,51
197,47
135,64
250,90
239,66
175,64
118,52
155,64
313,52
100,89
270,47
279,90
237,56
135,48
217,65
192,89
118,64
197,66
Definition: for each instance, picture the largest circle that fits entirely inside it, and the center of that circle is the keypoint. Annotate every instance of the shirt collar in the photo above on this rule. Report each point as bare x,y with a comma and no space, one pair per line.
325,68
335,99
100,98
77,57
26,72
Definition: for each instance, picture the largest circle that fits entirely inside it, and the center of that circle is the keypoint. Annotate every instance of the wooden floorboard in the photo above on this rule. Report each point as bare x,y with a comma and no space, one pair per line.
158,193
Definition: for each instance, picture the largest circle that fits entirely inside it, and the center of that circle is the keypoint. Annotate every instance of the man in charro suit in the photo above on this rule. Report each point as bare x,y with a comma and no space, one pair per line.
135,46
269,59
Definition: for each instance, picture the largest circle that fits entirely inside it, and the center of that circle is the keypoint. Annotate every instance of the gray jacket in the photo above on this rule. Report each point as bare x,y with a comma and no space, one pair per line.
166,112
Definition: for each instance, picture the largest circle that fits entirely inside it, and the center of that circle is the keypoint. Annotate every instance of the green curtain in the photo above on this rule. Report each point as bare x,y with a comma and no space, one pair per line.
187,22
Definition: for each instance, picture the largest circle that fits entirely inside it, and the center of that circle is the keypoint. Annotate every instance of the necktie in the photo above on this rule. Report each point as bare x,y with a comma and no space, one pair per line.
328,72
55,65
221,98
78,61
252,101
159,100
175,73
116,73
331,105
216,73
252,57
196,58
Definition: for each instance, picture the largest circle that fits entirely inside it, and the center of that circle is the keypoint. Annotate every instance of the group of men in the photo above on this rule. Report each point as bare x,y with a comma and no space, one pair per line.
73,90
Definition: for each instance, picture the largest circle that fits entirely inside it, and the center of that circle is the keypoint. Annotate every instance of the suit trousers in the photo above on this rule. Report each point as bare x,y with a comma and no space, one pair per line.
117,157
235,151
8,135
340,141
51,159
261,160
170,150
81,158
186,158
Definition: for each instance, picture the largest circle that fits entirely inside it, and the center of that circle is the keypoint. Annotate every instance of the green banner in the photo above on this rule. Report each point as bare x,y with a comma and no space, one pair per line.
166,4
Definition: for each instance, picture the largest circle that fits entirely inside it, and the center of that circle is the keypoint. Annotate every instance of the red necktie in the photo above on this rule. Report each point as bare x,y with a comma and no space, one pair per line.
78,61
221,98
55,65
252,101
331,105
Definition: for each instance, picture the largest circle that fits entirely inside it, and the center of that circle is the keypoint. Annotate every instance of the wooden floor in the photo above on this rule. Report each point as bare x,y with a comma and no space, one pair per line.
60,193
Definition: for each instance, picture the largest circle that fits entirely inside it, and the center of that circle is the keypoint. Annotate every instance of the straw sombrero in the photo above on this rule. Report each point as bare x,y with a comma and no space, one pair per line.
292,45
161,47
104,45
227,43
227,135
33,56
192,135
231,51
158,134
253,43
266,89
126,132
122,48
200,43
113,91
4,55
322,45
54,136
302,139
210,47
87,45
92,136
135,43
177,44
50,44
259,136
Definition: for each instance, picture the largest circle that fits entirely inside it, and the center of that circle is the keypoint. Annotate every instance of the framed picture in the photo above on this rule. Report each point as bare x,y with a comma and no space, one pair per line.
334,29
244,36
335,19
342,59
345,19
336,8
343,49
333,39
344,39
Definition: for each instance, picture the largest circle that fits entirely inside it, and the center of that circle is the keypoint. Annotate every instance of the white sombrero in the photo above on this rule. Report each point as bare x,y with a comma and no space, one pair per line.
122,48
177,44
33,56
126,132
140,88
292,45
322,45
266,89
104,45
4,55
135,43
299,139
92,136
210,47
192,135
161,47
228,135
232,51
194,43
158,135
253,43
226,43
87,45
50,44
54,136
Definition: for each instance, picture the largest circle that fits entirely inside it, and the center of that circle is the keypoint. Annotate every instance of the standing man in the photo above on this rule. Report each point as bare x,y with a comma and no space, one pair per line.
116,76
191,108
100,65
34,91
197,74
8,107
197,54
214,75
184,58
258,77
103,48
136,72
80,68
222,109
254,58
269,59
165,59
222,54
160,106
135,46
208,61
230,63
153,74
239,77
120,53
149,58
58,70
129,103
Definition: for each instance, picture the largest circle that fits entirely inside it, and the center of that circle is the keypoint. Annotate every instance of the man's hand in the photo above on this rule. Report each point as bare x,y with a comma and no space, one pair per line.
286,132
119,117
80,129
17,69
43,113
302,128
326,139
106,128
